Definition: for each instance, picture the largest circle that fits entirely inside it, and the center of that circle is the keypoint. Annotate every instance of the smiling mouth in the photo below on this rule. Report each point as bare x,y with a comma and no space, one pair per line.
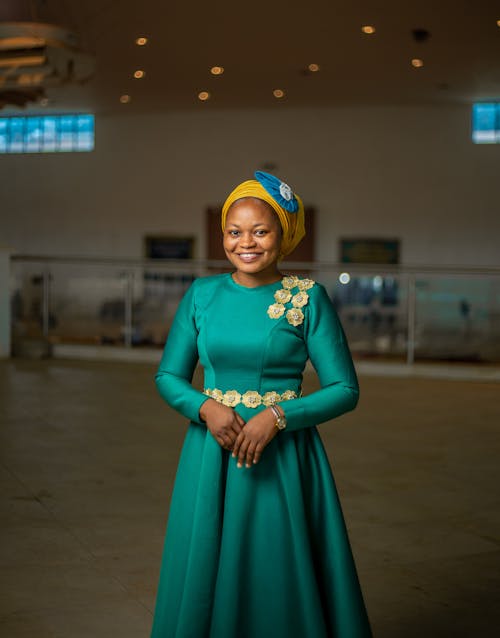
249,257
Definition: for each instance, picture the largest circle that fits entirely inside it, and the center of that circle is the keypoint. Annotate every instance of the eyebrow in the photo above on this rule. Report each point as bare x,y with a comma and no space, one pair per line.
254,226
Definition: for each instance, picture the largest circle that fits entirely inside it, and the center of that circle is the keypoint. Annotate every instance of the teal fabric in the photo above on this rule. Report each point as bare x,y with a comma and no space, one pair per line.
260,552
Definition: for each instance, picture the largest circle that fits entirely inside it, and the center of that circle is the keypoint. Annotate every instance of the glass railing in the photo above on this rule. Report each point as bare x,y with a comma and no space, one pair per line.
405,313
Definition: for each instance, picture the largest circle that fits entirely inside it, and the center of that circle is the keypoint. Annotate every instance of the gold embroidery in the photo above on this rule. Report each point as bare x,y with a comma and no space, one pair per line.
305,284
290,281
215,394
270,398
251,398
283,295
300,299
294,315
231,398
276,310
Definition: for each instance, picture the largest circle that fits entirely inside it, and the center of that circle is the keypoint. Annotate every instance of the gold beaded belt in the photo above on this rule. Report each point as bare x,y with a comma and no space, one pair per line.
250,399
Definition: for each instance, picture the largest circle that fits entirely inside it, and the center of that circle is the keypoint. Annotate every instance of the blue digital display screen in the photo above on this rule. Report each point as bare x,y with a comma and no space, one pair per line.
47,133
486,123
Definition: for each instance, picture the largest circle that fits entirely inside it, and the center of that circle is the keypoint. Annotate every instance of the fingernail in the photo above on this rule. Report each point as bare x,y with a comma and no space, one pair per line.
248,465
254,461
239,465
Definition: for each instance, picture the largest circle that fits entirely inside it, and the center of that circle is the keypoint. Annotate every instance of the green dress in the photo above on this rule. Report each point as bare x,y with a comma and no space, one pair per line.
260,552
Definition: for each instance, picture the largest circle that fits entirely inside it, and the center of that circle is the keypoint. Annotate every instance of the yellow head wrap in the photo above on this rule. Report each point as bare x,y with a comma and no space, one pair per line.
291,223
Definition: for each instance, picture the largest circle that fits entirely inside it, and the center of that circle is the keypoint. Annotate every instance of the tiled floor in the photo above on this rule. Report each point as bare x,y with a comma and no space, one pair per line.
88,455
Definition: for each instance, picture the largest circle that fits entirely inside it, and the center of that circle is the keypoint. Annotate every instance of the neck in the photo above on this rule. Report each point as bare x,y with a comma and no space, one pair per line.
251,280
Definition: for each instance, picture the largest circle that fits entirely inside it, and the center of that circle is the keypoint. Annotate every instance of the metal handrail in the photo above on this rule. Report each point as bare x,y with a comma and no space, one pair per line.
175,264
410,272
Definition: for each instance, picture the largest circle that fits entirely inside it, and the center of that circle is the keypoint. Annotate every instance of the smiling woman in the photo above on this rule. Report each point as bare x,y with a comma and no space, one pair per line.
256,545
252,241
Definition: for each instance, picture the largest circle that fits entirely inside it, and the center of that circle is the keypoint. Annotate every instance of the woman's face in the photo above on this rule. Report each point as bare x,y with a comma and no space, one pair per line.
252,240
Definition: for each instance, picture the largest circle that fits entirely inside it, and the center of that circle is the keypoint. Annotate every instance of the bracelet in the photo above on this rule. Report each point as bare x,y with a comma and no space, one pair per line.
280,419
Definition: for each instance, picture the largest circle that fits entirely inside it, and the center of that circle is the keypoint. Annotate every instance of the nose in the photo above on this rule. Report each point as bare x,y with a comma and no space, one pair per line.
247,240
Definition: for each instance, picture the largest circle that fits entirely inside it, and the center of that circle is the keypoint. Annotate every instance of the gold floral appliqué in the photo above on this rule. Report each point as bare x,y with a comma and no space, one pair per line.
283,295
251,399
295,316
288,394
305,284
287,295
300,299
270,398
216,395
290,282
276,310
231,398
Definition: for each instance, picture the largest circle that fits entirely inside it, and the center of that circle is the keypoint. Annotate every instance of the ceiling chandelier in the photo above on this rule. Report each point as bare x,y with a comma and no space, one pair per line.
35,56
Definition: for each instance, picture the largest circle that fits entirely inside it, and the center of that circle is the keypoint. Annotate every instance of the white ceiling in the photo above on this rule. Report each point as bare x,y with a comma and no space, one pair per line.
264,45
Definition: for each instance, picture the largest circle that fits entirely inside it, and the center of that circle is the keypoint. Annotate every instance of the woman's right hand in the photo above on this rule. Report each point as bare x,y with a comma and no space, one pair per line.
223,422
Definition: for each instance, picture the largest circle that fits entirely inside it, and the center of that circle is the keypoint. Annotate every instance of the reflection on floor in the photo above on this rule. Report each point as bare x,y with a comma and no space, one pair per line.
88,455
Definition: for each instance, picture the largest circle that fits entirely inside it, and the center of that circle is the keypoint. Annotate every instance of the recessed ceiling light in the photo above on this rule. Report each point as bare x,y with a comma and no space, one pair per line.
125,99
498,23
139,74
203,96
217,70
313,68
278,93
141,41
368,29
417,63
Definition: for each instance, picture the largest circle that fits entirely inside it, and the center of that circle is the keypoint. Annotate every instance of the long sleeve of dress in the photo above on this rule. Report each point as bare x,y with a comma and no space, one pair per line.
179,360
331,358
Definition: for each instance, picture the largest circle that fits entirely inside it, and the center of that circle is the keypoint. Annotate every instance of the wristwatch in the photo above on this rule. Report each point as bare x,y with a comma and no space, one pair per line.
280,419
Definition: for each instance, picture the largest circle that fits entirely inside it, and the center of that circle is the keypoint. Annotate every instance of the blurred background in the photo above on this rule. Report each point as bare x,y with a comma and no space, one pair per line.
124,125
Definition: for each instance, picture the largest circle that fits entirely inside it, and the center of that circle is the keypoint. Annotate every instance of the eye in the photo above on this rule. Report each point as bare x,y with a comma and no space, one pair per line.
261,233
234,233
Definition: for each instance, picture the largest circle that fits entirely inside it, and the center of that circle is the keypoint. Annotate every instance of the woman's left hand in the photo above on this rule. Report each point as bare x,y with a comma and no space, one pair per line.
253,438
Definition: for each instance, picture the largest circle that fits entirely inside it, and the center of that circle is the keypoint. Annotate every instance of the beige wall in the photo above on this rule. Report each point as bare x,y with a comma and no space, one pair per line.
411,173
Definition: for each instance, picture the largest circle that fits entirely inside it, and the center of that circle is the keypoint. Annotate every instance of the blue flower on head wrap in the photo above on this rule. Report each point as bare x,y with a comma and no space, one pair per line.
279,191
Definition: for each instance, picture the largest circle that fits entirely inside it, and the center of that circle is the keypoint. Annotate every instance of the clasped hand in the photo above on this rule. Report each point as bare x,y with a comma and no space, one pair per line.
246,440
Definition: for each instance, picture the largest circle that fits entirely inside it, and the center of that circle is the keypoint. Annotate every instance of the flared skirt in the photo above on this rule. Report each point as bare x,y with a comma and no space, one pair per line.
260,552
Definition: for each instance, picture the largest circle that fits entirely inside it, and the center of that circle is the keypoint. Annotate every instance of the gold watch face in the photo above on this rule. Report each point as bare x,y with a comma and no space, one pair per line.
281,423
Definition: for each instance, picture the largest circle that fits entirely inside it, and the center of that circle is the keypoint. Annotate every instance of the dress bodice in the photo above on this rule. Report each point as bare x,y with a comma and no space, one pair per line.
241,348
259,339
